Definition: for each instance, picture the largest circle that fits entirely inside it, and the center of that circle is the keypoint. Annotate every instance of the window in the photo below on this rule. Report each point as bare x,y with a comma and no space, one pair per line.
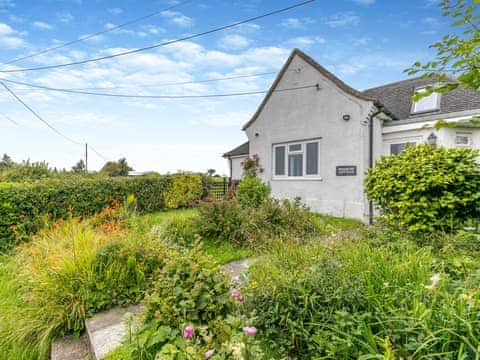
426,104
463,140
296,160
280,160
396,149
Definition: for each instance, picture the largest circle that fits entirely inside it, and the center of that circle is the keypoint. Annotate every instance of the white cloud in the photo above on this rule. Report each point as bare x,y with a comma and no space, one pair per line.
228,119
306,41
5,29
233,42
10,38
11,42
178,18
42,25
295,23
342,19
115,11
65,17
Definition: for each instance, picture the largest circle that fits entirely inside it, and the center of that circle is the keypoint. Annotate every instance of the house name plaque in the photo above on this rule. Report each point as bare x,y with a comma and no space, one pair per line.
347,170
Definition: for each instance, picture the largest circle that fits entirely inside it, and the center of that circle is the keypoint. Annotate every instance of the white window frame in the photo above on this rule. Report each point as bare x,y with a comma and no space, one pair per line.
415,103
468,135
402,140
303,151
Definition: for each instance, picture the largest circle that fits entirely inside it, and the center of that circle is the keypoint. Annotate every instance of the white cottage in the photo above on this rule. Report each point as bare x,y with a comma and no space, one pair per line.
316,136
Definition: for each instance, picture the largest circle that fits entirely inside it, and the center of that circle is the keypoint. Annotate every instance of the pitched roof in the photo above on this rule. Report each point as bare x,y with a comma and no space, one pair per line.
397,97
243,149
317,66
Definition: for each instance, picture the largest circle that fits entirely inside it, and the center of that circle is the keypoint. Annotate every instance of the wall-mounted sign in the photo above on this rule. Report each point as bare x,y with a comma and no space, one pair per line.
347,170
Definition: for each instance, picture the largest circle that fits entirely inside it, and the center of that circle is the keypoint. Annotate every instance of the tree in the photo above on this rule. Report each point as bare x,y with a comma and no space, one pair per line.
211,172
79,167
116,168
458,54
6,162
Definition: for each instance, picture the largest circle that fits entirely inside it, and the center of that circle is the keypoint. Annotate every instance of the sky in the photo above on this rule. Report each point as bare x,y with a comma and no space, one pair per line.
364,42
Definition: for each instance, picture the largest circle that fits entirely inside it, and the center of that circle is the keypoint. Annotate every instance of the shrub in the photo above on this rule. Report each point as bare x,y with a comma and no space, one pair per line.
185,189
352,299
26,208
188,291
252,191
66,274
255,226
426,188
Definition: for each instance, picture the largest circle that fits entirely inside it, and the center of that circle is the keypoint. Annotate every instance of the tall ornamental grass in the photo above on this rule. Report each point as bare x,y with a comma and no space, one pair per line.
356,300
64,275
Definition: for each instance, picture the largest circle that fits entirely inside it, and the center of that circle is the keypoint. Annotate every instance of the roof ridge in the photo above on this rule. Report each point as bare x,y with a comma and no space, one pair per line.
393,83
447,76
326,73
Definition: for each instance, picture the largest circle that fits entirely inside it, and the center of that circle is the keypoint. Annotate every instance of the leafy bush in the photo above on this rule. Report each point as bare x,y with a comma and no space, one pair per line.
252,191
188,291
352,299
255,226
26,208
185,189
66,274
427,188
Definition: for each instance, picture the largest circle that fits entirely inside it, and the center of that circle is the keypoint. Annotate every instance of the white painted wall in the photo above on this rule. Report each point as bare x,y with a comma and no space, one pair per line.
445,136
311,113
236,167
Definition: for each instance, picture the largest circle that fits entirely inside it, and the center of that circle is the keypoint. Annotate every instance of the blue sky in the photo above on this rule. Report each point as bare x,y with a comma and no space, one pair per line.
364,42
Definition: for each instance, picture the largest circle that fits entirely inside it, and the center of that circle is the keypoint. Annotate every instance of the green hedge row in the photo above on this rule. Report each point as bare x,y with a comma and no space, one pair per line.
27,207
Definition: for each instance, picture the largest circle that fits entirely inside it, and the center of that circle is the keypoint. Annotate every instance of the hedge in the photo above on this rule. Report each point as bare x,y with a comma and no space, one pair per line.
27,207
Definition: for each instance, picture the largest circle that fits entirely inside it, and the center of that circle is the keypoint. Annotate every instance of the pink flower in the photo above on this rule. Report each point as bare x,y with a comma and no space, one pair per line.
209,354
240,298
235,293
255,157
188,332
250,331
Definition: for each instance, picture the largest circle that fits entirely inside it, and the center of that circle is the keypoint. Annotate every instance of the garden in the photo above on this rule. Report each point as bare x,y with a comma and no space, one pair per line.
318,287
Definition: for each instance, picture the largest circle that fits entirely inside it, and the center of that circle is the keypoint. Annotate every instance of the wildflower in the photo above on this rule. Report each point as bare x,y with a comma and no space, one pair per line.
435,279
240,298
235,293
209,353
250,331
188,332
254,285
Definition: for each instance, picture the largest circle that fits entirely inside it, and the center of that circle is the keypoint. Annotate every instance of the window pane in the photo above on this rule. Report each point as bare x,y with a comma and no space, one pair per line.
295,165
280,160
312,158
296,147
462,140
427,103
396,149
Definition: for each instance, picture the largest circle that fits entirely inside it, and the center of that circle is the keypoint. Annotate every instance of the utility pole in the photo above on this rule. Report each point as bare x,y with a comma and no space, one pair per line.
86,157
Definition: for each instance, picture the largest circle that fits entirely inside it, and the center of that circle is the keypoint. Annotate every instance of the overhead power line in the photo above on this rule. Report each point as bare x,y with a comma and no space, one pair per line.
162,84
58,132
156,96
9,118
170,42
86,37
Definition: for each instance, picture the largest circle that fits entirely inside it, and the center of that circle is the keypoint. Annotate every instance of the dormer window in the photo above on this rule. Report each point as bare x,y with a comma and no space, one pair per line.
426,104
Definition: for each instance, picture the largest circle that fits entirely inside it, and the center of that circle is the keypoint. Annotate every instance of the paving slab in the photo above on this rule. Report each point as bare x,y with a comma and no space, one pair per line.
106,331
70,348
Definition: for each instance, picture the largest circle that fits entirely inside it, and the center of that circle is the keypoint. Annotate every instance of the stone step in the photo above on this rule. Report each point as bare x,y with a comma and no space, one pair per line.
71,348
106,331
